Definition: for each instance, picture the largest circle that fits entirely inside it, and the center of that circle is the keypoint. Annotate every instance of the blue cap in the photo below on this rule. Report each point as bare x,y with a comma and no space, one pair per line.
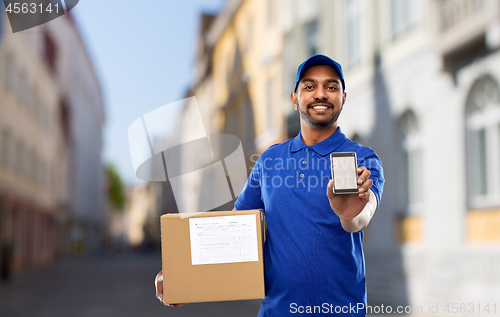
319,60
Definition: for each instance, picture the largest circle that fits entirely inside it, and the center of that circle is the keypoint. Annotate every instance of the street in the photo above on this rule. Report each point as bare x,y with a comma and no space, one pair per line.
104,285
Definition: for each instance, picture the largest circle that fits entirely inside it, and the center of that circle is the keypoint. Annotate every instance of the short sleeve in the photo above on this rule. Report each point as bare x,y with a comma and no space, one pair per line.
250,197
374,165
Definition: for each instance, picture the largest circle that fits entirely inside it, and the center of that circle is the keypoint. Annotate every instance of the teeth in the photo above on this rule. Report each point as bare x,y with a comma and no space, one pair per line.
320,107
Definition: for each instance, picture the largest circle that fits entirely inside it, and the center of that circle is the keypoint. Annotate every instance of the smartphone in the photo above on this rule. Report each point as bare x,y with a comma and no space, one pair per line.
344,172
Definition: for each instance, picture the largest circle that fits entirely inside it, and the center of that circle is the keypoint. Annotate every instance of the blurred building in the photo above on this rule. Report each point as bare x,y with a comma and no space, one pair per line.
247,73
204,108
50,143
301,25
30,139
81,103
238,79
423,91
203,86
141,225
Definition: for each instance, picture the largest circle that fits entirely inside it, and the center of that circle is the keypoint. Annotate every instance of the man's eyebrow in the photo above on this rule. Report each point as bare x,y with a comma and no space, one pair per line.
333,81
308,79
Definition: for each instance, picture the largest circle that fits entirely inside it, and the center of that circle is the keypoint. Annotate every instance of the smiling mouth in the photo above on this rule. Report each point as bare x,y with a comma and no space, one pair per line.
320,107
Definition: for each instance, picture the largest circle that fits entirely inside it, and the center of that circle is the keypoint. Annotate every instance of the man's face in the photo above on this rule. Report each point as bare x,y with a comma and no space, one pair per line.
320,96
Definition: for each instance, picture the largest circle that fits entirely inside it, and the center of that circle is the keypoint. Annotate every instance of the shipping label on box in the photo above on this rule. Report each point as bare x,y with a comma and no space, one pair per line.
223,239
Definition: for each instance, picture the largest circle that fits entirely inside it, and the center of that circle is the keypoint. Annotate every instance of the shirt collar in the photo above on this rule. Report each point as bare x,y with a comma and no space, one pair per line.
322,148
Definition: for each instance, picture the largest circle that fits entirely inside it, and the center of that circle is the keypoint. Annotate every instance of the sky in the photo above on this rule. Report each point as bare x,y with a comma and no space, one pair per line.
143,53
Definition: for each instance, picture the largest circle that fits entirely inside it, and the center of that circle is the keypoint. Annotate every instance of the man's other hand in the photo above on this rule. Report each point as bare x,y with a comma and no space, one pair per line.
159,290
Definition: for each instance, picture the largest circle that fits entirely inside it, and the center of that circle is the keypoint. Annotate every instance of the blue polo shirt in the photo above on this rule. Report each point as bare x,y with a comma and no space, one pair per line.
312,265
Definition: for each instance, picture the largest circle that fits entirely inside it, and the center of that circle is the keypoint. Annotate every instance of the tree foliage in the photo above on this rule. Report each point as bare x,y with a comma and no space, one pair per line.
116,189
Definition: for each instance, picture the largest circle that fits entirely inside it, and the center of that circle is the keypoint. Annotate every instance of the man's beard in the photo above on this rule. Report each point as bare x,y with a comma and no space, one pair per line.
306,116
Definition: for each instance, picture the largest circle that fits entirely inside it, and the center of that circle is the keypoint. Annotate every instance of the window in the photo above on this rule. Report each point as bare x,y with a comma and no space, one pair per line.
31,167
404,16
35,106
290,67
412,161
47,119
50,52
21,91
40,173
229,69
1,35
270,12
354,20
249,33
3,150
47,177
8,73
248,122
34,169
17,155
312,38
31,100
483,143
270,103
20,159
42,116
2,65
5,154
3,218
64,117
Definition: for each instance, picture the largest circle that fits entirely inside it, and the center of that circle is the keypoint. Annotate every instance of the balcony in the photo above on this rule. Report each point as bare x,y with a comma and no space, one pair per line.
464,29
454,12
460,22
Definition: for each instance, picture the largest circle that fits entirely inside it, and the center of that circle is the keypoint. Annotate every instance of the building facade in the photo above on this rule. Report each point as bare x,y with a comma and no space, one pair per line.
247,72
30,138
237,88
47,91
82,102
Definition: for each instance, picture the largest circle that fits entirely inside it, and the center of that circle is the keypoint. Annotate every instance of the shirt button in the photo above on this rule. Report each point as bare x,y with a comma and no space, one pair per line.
304,162
301,175
307,150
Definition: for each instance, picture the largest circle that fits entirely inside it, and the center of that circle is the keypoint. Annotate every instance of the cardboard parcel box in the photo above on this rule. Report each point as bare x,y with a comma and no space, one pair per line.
212,256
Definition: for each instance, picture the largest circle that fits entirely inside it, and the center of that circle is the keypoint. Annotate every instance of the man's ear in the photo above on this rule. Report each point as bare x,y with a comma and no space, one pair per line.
293,98
344,98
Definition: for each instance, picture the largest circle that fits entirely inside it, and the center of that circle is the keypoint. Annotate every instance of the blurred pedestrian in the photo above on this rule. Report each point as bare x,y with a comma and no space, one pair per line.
5,260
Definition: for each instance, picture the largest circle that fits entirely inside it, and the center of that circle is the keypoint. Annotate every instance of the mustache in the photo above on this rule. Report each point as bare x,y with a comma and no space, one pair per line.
324,102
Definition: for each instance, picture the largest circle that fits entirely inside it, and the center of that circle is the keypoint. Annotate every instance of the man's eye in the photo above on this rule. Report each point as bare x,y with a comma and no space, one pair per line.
308,87
333,88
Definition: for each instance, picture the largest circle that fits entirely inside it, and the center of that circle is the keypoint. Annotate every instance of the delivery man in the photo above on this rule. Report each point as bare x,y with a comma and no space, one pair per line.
313,254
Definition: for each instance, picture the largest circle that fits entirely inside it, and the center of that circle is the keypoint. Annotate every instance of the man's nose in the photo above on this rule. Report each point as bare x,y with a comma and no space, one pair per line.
320,93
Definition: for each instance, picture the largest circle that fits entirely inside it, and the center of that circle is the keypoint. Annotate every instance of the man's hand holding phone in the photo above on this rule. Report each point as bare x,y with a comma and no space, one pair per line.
347,207
354,210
